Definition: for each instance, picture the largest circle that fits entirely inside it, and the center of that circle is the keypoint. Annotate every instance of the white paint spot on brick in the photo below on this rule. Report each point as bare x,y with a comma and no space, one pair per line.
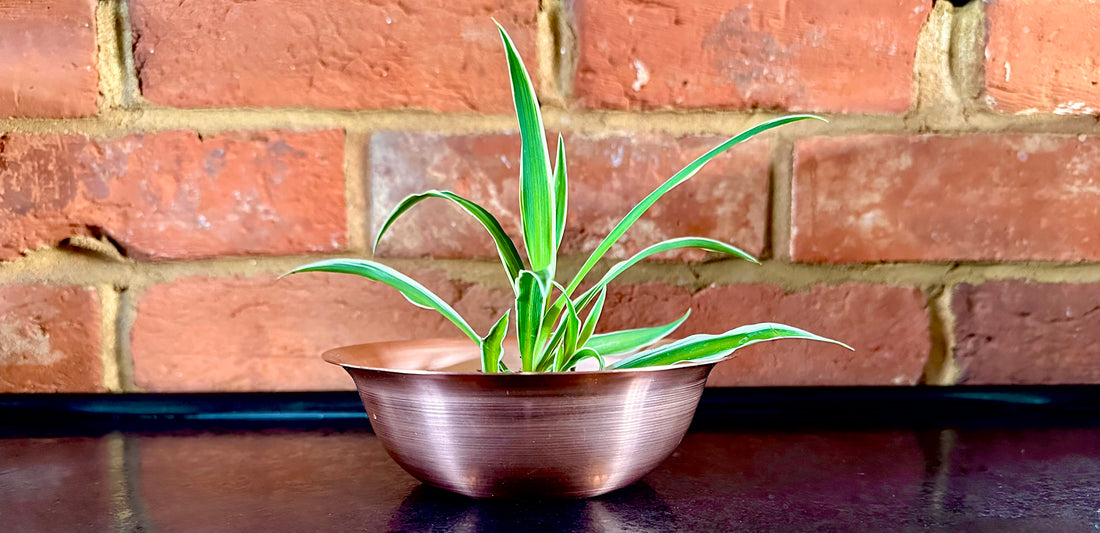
872,220
617,157
24,344
1021,155
641,77
1074,108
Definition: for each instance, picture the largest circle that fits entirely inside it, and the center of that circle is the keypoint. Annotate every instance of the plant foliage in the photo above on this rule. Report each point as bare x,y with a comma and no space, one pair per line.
551,332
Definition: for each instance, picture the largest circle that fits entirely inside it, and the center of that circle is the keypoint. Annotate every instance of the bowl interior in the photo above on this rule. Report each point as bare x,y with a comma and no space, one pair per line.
437,355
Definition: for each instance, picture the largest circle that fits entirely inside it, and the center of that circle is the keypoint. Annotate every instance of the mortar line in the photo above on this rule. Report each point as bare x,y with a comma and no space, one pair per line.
935,96
109,63
59,267
108,341
123,327
967,55
565,51
941,368
131,87
781,175
357,215
545,44
142,119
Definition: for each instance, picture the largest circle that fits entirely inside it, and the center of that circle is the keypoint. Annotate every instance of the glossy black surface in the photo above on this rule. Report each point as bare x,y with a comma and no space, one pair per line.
1007,466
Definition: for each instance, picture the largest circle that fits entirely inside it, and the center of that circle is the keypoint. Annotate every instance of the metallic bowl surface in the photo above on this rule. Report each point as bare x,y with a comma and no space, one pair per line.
562,435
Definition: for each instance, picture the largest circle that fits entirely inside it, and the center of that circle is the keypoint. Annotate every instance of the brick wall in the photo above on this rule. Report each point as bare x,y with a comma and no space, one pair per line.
161,164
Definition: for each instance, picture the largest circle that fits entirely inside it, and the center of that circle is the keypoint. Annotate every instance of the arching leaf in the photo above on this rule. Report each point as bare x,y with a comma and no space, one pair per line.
414,292
509,256
683,175
717,347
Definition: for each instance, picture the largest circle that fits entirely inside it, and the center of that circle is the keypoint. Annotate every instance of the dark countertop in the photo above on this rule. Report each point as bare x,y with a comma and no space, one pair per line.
1029,469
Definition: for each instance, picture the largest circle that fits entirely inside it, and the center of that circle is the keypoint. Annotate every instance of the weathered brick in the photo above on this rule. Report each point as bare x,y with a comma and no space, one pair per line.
887,326
739,54
258,334
175,195
344,54
49,53
932,198
727,200
1015,332
49,339
1043,57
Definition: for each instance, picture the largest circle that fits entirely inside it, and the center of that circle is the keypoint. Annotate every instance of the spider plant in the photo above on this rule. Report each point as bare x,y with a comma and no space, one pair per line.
551,332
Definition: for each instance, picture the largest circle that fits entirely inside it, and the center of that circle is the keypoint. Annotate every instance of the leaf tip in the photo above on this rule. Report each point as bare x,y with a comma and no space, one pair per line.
289,272
500,28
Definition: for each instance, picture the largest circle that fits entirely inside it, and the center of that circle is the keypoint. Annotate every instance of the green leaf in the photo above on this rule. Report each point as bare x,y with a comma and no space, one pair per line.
581,355
710,245
531,292
492,345
536,195
547,331
680,177
572,327
509,256
561,194
546,360
717,347
629,340
593,318
409,288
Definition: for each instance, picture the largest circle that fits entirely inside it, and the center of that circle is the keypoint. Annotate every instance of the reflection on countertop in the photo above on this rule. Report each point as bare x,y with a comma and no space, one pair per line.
1037,479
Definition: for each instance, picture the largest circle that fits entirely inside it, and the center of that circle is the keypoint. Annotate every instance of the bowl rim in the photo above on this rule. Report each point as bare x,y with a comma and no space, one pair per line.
335,356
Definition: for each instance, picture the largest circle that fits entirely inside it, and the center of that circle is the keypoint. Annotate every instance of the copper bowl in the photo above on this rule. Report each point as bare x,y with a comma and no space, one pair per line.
550,435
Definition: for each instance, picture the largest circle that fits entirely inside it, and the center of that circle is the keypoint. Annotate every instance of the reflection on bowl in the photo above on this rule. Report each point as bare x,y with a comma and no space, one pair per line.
564,434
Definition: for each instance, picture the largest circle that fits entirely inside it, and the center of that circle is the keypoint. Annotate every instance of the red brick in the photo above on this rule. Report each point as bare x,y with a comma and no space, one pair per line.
739,54
887,326
49,339
175,195
256,334
727,200
49,53
929,198
342,54
1043,57
1015,332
